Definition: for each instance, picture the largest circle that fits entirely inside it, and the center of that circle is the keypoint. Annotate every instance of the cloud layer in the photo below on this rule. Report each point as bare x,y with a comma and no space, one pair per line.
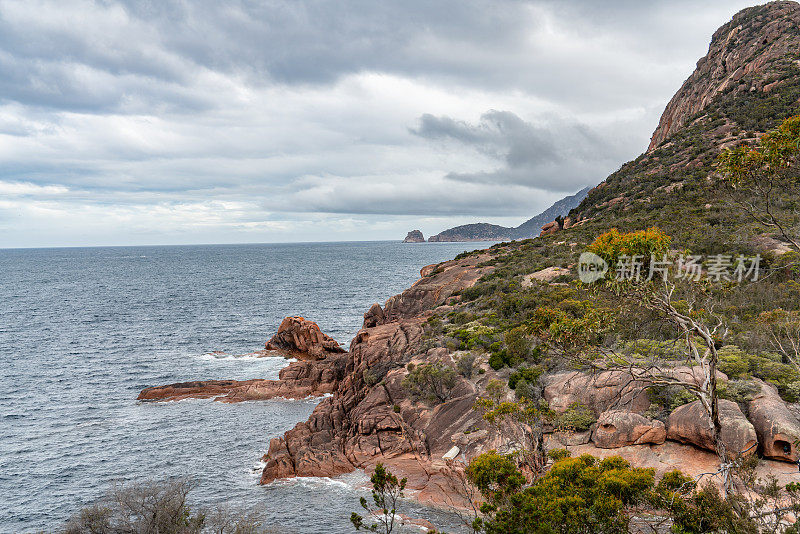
200,121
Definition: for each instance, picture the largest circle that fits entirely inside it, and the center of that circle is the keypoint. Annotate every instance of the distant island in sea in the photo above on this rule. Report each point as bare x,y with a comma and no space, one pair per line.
494,232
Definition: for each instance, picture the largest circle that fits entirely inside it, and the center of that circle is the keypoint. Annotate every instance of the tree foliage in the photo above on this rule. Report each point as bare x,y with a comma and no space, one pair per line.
432,382
386,491
158,508
647,244
577,495
764,180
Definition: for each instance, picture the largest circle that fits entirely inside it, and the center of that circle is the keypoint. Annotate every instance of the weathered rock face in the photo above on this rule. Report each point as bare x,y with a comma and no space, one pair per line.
607,390
414,236
777,429
369,418
690,424
199,389
740,58
547,274
374,316
445,280
550,228
600,391
302,338
358,423
616,428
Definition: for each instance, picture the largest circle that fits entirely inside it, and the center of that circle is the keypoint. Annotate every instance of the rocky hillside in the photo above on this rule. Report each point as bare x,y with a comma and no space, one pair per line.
560,208
750,57
474,232
747,84
526,230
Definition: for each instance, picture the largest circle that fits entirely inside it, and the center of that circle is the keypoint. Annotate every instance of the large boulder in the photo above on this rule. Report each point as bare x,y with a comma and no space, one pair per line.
302,338
599,391
690,424
777,429
619,389
617,428
545,275
374,316
549,228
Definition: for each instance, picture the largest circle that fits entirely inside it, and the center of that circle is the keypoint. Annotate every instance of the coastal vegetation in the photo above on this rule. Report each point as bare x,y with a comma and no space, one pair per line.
747,329
160,508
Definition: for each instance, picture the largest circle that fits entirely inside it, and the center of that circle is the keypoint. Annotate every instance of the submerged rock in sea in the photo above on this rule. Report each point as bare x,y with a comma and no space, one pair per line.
299,337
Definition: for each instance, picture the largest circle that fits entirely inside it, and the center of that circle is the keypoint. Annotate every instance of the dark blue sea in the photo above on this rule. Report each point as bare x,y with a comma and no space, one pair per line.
83,330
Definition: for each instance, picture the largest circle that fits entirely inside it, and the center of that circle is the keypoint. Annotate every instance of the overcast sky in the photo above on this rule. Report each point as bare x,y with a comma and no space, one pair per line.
189,121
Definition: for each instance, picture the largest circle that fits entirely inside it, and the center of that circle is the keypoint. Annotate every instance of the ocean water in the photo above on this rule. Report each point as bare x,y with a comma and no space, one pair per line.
83,330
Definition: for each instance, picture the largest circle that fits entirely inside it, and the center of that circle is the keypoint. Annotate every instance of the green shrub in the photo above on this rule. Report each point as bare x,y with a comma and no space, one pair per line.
465,364
518,344
576,495
738,391
734,362
371,377
526,390
497,360
530,374
558,454
669,397
577,418
432,382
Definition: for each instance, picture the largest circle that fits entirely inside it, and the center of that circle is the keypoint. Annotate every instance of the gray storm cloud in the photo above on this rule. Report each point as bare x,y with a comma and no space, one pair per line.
184,121
556,155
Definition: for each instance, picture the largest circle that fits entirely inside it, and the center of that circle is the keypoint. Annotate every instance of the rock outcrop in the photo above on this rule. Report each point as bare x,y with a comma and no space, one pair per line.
550,228
547,274
600,391
610,390
301,338
414,236
777,429
690,424
445,280
369,418
617,428
374,316
298,380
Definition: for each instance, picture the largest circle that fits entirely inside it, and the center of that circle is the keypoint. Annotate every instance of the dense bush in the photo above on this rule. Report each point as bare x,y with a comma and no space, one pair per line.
465,365
577,495
577,418
158,508
612,245
531,374
432,382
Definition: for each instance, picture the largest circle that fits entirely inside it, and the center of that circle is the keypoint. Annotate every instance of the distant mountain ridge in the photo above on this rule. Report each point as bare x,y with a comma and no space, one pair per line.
528,229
